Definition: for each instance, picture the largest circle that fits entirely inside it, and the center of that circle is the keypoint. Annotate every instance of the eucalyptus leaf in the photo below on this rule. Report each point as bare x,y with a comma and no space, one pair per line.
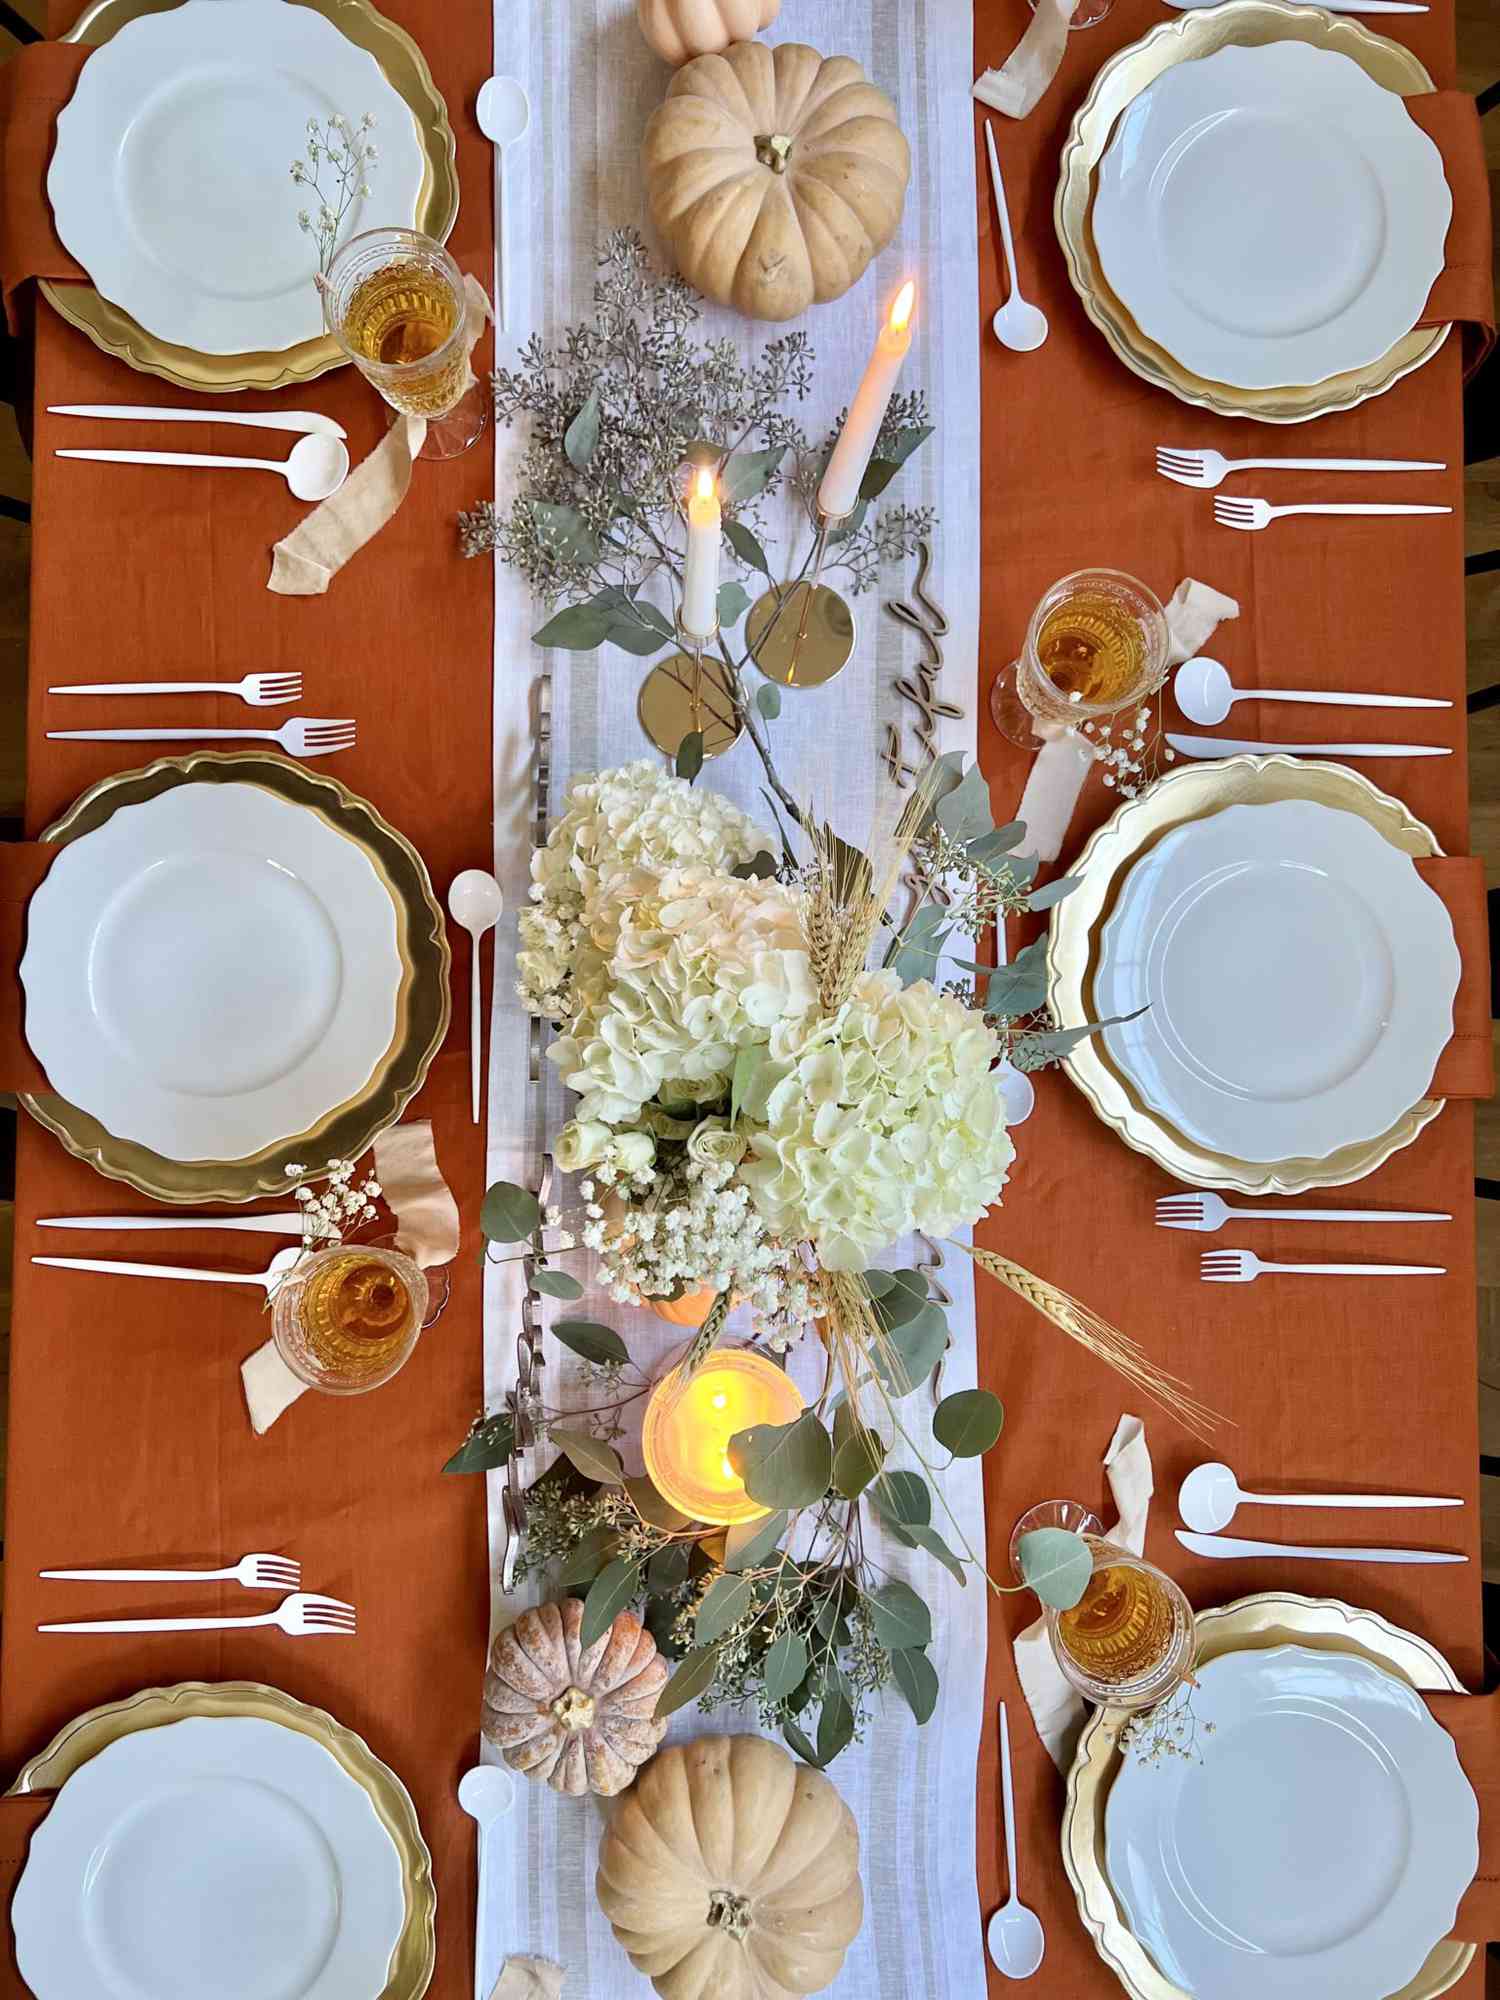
851,525
900,1617
1020,987
509,1214
564,532
590,1555
1057,1565
746,547
784,1465
578,628
581,437
878,475
691,1679
798,1741
903,1497
556,1284
919,1346
993,846
915,952
617,1585
747,473
636,636
591,1456
668,1568
768,700
586,1337
964,813
943,775
659,1616
835,1726
487,1447
690,755
918,1537
917,1679
968,1422
650,1505
749,1544
748,1062
878,1282
856,1462
1052,1044
1052,892
903,1298
783,1667
734,602
724,1604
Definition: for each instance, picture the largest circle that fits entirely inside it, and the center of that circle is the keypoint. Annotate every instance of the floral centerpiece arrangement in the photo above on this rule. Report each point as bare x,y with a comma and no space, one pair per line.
773,1089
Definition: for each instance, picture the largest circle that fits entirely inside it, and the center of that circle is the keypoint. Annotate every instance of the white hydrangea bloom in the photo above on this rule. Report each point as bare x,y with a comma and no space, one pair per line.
883,1117
636,816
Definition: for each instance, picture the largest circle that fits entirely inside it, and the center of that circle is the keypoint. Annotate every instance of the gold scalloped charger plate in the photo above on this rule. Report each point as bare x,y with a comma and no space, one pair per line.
1198,32
405,69
1074,940
1272,1618
423,1002
86,1735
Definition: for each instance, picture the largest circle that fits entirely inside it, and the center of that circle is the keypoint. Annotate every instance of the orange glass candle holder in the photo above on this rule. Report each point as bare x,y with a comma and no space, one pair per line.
688,1425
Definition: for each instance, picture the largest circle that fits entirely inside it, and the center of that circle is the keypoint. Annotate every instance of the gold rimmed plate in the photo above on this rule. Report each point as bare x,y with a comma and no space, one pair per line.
86,1735
1074,942
1272,1618
405,69
422,1000
1187,37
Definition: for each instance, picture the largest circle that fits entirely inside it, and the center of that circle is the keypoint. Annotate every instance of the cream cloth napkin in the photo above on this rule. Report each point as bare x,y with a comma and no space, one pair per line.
1063,762
427,1229
529,1979
1057,1709
304,563
1016,86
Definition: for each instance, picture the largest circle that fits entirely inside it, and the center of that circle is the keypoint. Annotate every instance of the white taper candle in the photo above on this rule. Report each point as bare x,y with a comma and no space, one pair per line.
839,493
700,572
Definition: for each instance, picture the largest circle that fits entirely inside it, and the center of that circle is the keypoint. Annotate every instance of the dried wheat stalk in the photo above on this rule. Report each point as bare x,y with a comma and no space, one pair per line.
848,895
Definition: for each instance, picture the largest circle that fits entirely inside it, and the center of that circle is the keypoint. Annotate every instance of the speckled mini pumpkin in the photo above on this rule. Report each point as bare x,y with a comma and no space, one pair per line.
731,1872
775,175
579,1716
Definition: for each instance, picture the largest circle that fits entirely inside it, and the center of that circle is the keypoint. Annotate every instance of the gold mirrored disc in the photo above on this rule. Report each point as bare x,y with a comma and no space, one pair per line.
679,696
797,652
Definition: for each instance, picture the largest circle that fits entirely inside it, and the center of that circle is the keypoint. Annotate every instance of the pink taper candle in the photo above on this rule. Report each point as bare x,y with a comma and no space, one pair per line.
700,572
839,493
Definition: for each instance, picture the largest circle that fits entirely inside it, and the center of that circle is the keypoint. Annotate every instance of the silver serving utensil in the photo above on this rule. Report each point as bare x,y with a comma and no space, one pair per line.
1229,1548
1210,1495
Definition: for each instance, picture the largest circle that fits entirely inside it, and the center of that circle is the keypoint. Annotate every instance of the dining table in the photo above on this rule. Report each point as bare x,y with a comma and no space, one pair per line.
127,1430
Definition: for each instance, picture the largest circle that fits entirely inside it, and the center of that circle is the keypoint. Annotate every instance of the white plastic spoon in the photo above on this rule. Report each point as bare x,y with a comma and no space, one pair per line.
486,1793
504,114
316,466
475,903
1205,694
1014,1936
1018,324
1211,1494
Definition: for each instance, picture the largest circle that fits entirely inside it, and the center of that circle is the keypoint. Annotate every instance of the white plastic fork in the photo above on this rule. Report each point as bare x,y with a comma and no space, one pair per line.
1233,511
258,1572
113,1267
1209,1211
1207,468
302,1615
303,736
259,690
1238,1267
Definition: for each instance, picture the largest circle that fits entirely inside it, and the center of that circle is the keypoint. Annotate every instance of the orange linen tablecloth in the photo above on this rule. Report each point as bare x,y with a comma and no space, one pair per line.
127,1431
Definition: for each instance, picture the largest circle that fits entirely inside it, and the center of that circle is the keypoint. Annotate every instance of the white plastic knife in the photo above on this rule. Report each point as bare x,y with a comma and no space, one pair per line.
1330,6
305,421
1225,1546
288,1222
1235,746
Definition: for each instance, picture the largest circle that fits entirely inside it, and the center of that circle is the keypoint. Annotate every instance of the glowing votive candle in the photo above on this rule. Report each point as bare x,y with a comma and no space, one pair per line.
839,493
700,572
685,1437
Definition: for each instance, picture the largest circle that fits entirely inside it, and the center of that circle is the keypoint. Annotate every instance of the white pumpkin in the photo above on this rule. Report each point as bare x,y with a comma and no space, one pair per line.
731,1872
678,30
775,175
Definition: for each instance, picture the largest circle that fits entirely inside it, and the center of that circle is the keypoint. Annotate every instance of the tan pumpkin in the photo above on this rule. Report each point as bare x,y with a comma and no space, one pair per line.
692,1309
681,29
731,1872
775,175
582,1717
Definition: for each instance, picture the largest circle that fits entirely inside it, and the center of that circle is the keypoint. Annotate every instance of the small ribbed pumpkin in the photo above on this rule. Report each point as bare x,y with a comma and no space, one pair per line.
731,1872
582,1717
678,30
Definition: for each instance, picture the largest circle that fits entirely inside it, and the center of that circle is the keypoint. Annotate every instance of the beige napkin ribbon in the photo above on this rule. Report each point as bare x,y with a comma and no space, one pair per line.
304,563
1064,761
427,1229
1018,84
529,1979
1057,1709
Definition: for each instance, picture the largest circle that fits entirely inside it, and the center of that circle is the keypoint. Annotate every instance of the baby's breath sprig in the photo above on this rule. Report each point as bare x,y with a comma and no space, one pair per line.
342,1204
340,159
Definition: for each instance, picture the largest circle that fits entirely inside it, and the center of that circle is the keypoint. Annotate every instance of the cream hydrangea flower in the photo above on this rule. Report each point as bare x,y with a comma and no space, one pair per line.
884,1117
693,965
636,816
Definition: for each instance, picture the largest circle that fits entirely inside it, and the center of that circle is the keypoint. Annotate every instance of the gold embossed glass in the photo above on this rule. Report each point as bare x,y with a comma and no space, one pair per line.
1096,645
347,1318
1130,1639
395,301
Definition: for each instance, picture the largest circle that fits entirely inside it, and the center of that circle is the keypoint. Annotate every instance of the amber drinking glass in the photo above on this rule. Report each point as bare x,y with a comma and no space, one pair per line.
1130,1639
1097,645
347,1318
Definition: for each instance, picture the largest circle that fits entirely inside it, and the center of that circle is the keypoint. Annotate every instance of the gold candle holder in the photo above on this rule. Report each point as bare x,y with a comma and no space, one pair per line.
801,634
686,694
688,1425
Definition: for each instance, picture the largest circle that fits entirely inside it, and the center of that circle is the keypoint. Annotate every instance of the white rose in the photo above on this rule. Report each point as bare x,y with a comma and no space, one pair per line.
633,1152
716,1144
582,1143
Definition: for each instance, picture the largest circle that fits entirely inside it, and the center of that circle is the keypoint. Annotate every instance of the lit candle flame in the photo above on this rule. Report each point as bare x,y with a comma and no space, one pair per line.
703,485
902,310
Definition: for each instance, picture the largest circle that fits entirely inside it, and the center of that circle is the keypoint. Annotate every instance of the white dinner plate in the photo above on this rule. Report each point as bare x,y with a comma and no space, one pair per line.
1271,216
171,178
1313,1846
215,1856
210,971
1297,975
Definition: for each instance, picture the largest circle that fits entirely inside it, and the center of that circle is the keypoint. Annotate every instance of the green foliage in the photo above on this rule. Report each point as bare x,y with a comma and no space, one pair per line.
1057,1565
487,1447
556,1284
968,1422
509,1214
690,755
784,1465
593,1342
593,1458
